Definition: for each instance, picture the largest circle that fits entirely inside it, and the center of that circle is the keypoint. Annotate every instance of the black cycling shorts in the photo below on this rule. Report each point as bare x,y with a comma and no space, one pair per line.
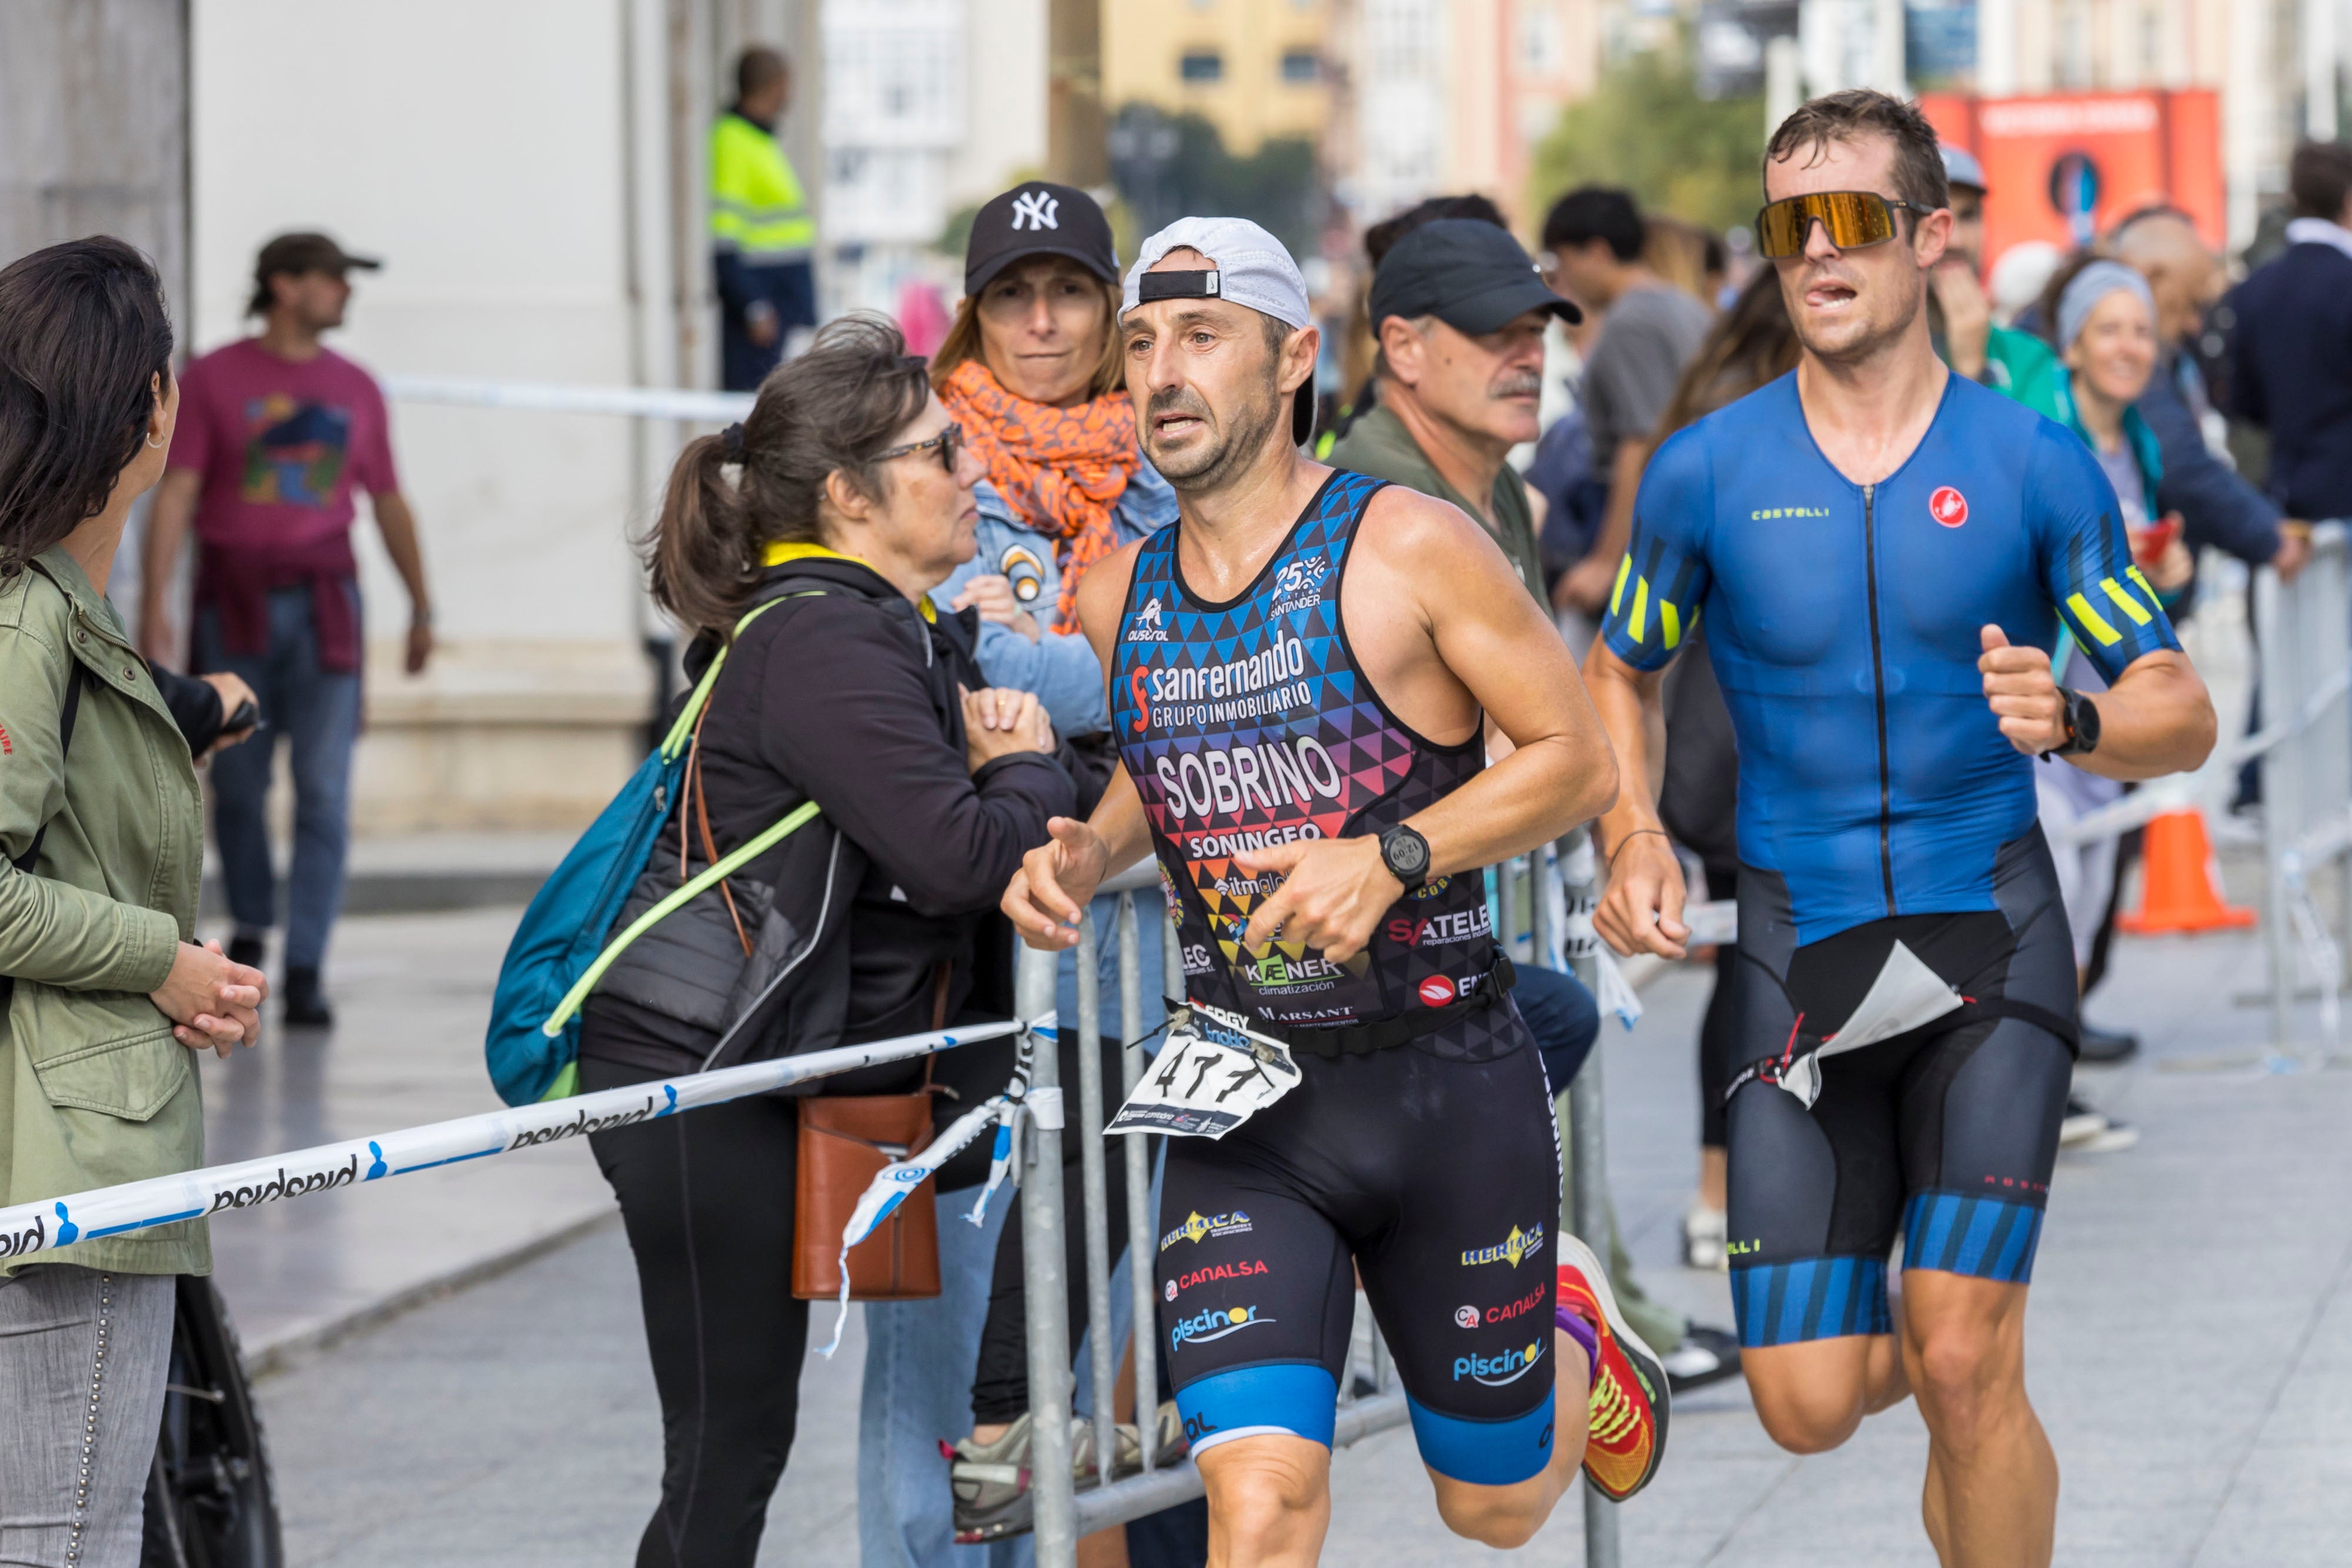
1433,1166
1947,1133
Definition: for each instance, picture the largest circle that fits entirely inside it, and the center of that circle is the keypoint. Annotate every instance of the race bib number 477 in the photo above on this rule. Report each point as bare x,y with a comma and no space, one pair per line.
1211,1076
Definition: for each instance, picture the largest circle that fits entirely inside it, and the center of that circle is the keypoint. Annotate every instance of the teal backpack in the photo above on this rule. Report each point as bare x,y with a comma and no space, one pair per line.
558,952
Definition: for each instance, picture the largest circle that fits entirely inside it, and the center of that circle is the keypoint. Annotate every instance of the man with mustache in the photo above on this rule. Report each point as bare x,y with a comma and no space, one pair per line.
1301,670
1884,552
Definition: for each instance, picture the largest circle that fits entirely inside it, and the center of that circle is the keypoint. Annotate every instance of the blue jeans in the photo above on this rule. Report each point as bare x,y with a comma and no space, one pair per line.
1562,1015
1151,925
318,713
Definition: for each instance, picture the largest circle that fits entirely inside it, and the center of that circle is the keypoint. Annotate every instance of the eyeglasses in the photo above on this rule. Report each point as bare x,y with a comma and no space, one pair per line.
1854,218
949,441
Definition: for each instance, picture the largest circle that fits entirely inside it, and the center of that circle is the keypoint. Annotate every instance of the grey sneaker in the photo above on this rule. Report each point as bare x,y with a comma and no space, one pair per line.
991,1480
1169,1445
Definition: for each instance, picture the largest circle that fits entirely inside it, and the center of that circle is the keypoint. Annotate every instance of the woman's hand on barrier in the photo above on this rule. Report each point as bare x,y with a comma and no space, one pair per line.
1642,912
212,1003
1048,895
999,721
994,594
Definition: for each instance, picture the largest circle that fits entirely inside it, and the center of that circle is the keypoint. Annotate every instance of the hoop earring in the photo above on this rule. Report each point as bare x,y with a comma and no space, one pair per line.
155,444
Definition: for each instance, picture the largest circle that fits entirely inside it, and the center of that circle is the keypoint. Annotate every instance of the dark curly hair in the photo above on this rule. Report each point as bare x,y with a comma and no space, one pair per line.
84,344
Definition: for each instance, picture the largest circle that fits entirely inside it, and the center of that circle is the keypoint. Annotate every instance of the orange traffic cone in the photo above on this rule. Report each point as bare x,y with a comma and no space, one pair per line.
2179,885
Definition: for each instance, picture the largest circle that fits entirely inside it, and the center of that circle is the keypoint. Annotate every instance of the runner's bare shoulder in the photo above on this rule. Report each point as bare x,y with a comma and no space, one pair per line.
1102,595
1424,546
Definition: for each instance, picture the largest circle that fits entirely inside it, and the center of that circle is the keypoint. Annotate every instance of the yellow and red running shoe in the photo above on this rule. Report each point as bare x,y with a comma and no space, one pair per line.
1625,1434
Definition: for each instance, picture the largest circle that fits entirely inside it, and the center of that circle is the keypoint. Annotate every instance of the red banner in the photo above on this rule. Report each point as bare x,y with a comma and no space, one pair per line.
2067,167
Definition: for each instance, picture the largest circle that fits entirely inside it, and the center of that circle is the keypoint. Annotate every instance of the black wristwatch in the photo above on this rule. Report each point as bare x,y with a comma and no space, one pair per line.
1406,854
2082,725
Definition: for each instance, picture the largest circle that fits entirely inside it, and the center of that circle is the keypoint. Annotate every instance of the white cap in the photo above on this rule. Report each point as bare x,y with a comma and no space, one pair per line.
1250,267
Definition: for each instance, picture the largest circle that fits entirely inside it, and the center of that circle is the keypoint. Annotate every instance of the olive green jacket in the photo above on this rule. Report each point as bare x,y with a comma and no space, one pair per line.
1380,446
93,1089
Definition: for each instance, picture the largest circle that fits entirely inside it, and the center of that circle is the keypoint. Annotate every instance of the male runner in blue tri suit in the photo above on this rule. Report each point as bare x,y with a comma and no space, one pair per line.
1300,668
1883,552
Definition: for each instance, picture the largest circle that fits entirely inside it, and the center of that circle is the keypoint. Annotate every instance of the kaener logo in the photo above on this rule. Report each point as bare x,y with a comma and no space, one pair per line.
1214,1323
1948,507
285,1187
1493,1371
1036,210
1197,1226
1518,1244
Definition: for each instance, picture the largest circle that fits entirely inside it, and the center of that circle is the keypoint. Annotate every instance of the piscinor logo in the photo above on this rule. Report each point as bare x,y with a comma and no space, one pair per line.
1199,1225
1518,1244
1214,1323
1495,1371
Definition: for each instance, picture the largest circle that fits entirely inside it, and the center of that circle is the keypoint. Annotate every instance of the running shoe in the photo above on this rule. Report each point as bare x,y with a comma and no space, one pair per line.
2107,1045
1706,1238
991,1480
1625,1426
2091,1131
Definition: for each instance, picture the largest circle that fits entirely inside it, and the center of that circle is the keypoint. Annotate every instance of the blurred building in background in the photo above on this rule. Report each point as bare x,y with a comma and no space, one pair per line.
532,172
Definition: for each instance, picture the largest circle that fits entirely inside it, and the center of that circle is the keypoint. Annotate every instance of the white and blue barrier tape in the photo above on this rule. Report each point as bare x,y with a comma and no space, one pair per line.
50,1223
552,397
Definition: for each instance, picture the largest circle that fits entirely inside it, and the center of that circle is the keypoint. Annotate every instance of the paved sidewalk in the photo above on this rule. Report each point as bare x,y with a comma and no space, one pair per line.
2191,1329
412,993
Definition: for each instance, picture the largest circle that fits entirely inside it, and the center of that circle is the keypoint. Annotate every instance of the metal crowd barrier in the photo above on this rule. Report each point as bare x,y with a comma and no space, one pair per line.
1370,1399
2304,631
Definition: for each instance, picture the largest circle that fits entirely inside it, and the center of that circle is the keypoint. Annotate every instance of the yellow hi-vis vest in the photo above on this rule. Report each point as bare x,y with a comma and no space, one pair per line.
757,207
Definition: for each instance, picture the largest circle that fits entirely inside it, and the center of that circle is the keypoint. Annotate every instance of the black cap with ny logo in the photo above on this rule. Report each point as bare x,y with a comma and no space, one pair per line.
1038,218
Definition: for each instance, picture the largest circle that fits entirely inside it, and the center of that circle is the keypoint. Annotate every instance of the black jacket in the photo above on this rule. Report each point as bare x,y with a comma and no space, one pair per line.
2290,373
2217,507
843,695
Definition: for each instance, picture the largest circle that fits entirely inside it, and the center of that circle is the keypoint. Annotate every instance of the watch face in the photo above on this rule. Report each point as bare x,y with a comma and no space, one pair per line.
1407,852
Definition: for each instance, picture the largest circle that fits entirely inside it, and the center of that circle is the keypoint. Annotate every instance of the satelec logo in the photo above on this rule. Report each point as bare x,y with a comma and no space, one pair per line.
1495,1371
1214,1323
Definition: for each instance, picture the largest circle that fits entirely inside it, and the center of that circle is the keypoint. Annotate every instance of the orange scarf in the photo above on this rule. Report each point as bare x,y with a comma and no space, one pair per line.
1061,470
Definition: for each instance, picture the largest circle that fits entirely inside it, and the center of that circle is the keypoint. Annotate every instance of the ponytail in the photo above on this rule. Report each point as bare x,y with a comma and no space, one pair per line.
699,561
828,411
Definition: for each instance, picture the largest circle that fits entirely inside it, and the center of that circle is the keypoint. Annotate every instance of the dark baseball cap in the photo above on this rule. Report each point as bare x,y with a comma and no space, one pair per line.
1467,273
308,253
1038,218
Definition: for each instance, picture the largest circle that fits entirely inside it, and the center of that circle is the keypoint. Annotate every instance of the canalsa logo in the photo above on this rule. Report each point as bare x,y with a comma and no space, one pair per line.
1215,1322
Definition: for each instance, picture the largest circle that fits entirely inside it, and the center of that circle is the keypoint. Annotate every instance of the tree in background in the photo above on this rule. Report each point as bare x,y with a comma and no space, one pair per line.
1168,165
1645,128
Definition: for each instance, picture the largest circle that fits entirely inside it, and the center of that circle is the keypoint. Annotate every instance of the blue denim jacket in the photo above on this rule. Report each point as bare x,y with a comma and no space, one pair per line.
1062,671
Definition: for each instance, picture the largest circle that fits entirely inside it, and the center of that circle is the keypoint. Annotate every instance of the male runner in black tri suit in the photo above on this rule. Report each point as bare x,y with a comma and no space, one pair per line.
1299,670
1884,552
